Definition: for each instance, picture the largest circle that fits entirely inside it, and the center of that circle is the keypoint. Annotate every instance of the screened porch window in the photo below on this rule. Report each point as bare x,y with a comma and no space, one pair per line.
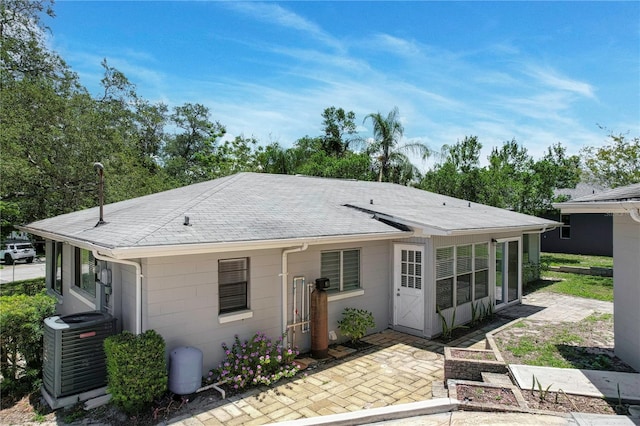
444,277
233,275
481,270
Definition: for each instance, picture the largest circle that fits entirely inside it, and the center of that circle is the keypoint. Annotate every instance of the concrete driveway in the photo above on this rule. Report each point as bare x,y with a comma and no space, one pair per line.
22,271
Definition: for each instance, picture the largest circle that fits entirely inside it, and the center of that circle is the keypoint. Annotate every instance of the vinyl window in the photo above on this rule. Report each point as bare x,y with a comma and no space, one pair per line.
462,274
342,267
56,266
85,277
233,284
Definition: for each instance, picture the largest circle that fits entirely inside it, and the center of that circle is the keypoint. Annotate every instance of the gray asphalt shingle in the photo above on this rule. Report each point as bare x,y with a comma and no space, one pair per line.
254,207
623,193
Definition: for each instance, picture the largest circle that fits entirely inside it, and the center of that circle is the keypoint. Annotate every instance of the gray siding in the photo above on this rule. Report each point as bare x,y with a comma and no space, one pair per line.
180,295
181,299
591,234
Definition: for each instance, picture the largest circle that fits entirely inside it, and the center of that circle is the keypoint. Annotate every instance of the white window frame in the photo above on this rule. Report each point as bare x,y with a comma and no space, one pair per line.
340,289
446,277
231,315
476,270
77,275
455,273
57,248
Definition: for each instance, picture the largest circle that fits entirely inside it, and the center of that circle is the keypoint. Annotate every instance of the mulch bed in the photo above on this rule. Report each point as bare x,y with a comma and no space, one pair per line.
558,401
486,395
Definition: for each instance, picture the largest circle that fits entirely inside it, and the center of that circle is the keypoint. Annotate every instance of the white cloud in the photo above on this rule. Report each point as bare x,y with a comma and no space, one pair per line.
553,79
273,13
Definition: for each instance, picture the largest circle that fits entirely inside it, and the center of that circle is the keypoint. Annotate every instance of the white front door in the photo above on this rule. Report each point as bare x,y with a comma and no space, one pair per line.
408,286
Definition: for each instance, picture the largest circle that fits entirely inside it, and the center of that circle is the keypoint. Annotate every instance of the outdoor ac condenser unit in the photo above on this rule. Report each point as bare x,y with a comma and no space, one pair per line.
74,359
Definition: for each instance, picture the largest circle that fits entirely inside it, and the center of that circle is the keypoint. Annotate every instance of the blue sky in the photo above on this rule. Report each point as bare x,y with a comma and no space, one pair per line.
539,72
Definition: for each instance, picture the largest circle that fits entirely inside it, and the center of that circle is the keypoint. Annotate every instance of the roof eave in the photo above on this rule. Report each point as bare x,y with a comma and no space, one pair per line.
137,252
597,206
428,231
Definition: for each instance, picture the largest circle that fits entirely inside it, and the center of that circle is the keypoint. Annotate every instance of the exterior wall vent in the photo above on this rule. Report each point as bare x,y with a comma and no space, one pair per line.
73,358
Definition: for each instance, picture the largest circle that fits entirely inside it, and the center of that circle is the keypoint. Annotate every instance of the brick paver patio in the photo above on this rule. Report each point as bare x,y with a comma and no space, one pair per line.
398,368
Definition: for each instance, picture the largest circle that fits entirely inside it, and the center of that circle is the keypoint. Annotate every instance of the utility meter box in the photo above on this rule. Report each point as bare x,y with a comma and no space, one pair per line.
322,283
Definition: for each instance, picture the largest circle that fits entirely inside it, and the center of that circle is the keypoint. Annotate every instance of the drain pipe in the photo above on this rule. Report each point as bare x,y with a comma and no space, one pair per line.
284,274
635,214
138,284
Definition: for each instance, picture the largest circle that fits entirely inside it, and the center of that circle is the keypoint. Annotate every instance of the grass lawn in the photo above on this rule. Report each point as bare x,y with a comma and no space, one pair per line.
561,344
591,287
579,260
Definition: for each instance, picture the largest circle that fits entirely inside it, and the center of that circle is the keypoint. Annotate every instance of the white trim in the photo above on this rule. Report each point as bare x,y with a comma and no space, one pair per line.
597,206
505,301
82,297
396,270
332,297
235,316
213,247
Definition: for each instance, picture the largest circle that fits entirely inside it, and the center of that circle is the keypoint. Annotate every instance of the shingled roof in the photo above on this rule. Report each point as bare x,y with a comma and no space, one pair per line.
617,200
251,209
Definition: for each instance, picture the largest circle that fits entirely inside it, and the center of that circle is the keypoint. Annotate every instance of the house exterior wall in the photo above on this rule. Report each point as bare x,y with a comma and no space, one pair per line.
626,289
180,295
591,234
72,300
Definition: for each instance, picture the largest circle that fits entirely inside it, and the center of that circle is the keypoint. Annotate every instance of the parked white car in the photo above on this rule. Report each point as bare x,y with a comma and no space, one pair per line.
15,250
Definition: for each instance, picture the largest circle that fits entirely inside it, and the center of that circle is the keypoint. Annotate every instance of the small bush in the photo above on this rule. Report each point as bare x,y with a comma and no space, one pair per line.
136,369
22,324
27,287
355,323
254,362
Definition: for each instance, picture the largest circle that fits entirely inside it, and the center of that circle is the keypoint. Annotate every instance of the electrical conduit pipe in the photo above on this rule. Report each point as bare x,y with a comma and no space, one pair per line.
284,273
138,284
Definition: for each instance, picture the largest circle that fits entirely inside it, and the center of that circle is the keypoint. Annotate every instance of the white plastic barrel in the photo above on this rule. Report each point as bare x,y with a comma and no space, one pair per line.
185,370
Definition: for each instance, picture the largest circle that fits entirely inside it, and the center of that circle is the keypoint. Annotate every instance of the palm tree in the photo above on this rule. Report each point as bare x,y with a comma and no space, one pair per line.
390,159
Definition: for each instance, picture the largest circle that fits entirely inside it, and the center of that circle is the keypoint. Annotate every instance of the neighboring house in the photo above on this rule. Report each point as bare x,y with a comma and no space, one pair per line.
202,263
623,205
580,233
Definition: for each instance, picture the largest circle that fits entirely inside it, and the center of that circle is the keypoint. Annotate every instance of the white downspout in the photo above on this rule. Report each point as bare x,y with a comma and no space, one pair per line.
284,274
138,284
635,214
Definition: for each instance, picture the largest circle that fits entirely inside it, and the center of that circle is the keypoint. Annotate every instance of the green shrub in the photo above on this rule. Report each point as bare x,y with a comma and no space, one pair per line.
28,287
136,369
22,325
355,323
254,362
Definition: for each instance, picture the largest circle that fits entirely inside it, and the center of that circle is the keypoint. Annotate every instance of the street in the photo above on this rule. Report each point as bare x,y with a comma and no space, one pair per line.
22,271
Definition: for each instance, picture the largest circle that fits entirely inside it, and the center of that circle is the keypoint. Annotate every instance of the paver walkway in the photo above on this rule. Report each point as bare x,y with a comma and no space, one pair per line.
398,369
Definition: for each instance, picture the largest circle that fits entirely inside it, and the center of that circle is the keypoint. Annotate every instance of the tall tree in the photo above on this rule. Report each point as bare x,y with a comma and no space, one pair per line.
390,158
339,128
508,176
22,48
614,164
459,175
190,154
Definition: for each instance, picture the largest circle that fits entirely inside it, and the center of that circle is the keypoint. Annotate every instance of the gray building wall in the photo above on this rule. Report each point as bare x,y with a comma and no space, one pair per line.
180,296
591,234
